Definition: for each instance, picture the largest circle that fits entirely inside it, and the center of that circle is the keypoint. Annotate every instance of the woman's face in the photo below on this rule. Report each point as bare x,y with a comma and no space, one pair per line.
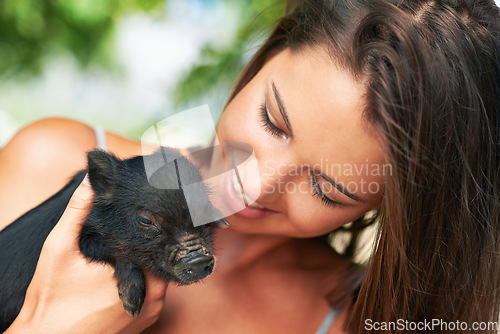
320,165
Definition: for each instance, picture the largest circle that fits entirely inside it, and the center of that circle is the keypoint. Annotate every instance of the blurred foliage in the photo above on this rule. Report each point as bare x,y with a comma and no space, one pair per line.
32,31
222,65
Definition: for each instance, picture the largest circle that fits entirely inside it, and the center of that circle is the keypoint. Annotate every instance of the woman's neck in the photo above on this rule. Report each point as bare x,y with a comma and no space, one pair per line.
237,249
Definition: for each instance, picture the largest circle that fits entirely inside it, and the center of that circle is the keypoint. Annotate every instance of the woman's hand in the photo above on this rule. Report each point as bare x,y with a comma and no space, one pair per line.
68,294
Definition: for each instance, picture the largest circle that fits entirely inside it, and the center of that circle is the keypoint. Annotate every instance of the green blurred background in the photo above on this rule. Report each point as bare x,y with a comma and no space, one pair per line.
123,64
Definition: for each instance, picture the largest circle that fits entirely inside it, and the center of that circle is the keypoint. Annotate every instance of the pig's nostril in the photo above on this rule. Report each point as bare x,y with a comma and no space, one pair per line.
200,259
194,249
194,267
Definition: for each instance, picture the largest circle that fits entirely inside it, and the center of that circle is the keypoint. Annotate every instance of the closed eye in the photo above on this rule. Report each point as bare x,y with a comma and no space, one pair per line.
147,224
272,129
321,195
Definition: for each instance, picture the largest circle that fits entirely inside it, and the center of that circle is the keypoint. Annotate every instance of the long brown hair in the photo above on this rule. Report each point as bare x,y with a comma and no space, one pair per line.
432,72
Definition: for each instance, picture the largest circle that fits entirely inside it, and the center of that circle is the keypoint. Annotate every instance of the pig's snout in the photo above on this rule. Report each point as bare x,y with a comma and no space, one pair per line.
195,266
191,259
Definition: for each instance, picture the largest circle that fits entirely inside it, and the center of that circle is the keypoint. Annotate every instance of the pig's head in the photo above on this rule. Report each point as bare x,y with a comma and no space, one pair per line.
149,226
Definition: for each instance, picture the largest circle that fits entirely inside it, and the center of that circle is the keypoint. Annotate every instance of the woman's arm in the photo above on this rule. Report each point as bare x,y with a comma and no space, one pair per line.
68,294
43,156
66,291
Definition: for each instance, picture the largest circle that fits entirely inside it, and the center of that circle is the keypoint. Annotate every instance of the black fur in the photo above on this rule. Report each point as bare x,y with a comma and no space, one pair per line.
132,226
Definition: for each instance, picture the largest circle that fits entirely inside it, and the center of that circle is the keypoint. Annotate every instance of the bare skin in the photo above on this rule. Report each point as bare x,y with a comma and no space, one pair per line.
69,295
270,277
42,157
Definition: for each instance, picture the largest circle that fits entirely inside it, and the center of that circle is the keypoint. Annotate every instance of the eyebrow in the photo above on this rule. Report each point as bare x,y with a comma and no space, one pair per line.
281,107
342,189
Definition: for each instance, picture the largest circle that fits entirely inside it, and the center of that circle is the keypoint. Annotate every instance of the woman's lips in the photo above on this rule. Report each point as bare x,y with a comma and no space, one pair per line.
235,202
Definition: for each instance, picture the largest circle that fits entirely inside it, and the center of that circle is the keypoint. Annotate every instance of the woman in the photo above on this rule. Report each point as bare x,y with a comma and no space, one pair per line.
410,84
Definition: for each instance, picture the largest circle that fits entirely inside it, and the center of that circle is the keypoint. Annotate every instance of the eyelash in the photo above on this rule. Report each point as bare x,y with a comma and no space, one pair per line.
317,192
278,133
272,129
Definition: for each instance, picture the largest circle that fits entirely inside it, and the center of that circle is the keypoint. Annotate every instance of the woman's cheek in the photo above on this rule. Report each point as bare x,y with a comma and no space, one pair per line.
305,217
311,219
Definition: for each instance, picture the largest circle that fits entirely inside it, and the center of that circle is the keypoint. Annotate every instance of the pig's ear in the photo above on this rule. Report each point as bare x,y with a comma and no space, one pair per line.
102,169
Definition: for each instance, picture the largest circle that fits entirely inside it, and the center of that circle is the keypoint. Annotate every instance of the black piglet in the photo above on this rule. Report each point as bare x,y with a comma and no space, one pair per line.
134,225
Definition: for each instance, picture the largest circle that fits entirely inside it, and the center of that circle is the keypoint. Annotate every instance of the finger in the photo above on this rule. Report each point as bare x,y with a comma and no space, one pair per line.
156,287
71,222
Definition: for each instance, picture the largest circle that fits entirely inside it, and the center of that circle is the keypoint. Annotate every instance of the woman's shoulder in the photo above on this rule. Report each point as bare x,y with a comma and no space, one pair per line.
43,156
58,134
47,138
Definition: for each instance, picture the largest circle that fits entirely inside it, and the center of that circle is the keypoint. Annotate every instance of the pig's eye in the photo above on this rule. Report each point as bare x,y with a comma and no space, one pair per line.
147,223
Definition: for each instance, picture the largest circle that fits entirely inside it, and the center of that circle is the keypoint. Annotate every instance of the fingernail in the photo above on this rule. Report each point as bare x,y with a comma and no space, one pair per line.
222,223
86,180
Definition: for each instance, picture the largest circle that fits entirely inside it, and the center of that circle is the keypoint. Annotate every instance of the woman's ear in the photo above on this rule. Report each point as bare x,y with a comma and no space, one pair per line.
102,170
